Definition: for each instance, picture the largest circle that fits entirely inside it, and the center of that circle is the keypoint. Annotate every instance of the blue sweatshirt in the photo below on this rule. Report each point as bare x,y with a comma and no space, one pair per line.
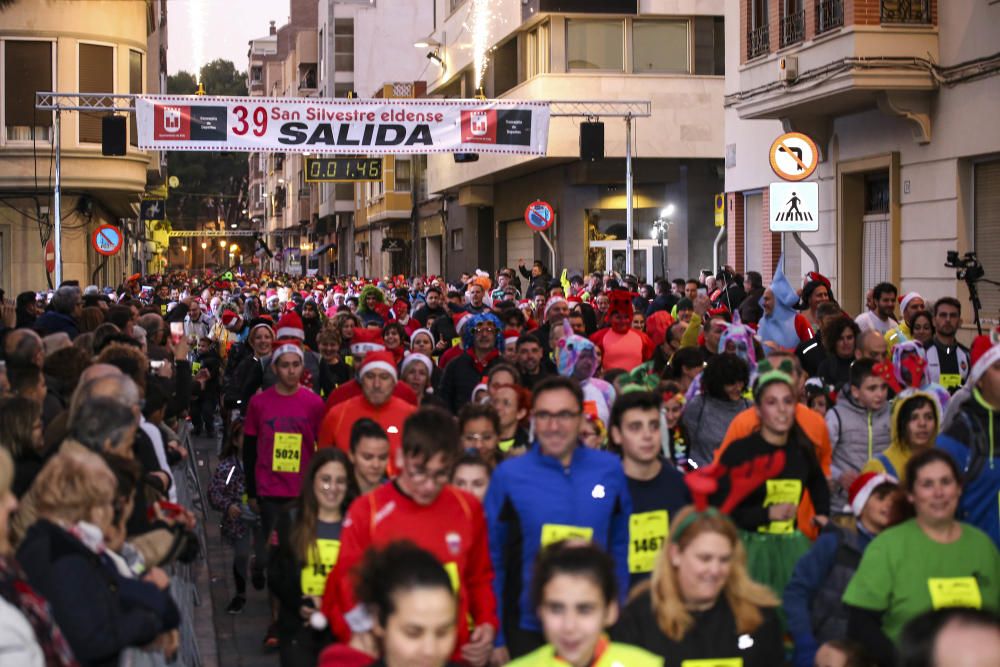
534,495
806,606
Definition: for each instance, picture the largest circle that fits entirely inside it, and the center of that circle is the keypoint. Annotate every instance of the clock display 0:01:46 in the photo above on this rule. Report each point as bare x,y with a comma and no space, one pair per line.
338,169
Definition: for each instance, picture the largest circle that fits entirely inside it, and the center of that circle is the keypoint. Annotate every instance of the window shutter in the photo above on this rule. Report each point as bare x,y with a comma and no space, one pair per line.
28,70
987,235
96,76
874,251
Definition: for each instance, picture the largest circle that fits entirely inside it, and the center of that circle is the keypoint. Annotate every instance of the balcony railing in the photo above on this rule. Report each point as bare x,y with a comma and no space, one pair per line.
906,11
758,41
793,27
829,15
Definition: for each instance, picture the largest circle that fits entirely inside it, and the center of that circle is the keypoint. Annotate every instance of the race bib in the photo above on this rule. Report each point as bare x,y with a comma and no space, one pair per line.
781,492
195,367
713,662
951,380
287,455
349,360
557,532
955,592
321,562
647,531
456,341
452,569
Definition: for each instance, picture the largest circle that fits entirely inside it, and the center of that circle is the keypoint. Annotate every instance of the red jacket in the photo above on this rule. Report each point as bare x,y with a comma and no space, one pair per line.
637,348
335,431
452,528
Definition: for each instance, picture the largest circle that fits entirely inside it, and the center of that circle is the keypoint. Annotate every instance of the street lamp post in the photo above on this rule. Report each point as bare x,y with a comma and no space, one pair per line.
661,227
204,248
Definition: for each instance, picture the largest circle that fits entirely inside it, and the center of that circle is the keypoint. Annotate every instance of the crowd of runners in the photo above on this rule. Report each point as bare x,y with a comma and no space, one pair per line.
515,467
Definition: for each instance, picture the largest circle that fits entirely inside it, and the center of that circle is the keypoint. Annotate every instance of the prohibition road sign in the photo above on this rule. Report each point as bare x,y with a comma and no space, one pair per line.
107,240
50,256
539,215
794,156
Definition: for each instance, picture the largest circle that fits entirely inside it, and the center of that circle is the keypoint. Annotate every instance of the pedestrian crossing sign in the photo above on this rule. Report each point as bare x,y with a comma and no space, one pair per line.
794,207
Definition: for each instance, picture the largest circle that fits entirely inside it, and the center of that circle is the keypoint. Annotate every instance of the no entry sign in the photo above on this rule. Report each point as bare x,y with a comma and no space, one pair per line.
50,256
539,215
107,240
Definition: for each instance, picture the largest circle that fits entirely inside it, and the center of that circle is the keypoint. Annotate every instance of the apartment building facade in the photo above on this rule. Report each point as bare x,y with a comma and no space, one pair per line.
283,207
84,46
666,52
900,98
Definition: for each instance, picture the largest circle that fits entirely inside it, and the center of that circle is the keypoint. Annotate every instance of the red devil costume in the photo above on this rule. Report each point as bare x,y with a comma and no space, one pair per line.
621,345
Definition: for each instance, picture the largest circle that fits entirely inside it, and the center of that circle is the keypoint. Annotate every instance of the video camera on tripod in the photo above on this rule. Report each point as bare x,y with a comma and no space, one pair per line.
970,269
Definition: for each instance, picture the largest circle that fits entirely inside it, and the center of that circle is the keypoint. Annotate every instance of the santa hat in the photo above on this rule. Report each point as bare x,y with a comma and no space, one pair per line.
818,277
290,326
230,319
422,330
985,353
285,346
482,386
379,360
258,323
460,320
905,300
366,341
551,302
510,336
417,358
862,487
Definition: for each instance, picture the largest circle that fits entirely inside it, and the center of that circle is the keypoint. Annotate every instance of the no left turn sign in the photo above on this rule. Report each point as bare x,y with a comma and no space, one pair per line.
794,156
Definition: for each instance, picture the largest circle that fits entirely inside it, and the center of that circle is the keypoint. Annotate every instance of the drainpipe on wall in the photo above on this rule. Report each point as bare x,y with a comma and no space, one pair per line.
715,248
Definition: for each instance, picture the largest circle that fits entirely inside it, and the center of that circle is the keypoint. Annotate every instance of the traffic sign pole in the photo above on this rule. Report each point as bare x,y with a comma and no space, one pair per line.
57,203
628,196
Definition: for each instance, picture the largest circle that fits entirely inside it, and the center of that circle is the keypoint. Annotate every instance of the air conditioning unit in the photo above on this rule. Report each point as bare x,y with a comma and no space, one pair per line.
788,68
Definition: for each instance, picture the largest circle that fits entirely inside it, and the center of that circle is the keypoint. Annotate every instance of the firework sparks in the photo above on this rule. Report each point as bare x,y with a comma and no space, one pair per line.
480,16
198,15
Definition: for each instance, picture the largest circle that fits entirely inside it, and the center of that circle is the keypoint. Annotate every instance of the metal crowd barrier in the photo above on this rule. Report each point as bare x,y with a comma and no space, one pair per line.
183,587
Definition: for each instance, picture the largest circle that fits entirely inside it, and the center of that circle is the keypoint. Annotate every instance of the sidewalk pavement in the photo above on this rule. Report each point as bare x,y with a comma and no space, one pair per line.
237,639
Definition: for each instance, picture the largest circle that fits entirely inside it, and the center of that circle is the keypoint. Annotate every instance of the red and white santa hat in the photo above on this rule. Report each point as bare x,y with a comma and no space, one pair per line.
366,341
285,346
416,358
862,488
460,320
985,352
905,300
510,336
230,319
379,360
551,302
290,326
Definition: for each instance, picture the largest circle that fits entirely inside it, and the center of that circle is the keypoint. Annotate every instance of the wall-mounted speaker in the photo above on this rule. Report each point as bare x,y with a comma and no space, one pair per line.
591,141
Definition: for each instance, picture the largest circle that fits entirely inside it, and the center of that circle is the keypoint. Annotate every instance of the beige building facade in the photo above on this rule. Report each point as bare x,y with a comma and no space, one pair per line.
74,46
900,98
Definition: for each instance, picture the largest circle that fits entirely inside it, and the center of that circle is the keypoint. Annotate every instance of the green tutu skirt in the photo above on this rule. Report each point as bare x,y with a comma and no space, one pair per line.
772,558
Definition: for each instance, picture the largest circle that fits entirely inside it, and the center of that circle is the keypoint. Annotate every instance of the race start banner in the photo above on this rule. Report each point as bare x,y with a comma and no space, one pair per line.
341,126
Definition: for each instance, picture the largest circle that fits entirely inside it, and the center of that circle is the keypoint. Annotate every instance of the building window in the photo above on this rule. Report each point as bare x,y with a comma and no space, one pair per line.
906,11
537,51
256,74
758,38
709,45
829,15
343,191
986,216
343,45
402,175
458,239
135,88
660,46
343,88
793,22
27,70
595,45
97,75
503,67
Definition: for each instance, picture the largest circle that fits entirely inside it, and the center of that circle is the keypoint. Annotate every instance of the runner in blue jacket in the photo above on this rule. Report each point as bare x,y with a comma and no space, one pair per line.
558,490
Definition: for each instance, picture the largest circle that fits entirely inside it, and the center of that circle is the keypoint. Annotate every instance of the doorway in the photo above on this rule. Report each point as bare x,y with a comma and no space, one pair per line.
610,256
